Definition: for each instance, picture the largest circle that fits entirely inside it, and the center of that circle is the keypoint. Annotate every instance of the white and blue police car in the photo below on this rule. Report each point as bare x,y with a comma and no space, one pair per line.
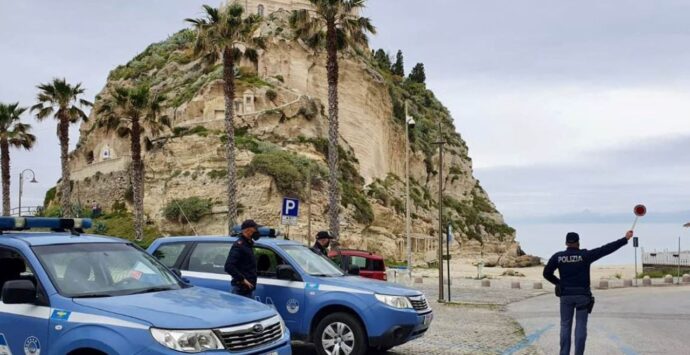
340,314
64,292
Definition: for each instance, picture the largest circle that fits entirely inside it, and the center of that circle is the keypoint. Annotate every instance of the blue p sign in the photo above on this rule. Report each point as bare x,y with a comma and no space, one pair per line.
290,207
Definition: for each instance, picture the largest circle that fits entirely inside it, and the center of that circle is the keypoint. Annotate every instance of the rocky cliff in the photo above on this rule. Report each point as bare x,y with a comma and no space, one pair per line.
281,140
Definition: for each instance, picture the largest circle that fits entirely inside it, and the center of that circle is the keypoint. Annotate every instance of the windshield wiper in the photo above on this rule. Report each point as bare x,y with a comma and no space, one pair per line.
93,295
152,289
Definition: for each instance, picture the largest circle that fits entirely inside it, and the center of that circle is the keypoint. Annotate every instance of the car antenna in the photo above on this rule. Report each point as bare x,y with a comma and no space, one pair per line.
191,225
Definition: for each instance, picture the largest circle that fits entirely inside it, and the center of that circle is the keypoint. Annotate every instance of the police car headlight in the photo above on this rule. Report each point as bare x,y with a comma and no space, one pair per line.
394,301
188,341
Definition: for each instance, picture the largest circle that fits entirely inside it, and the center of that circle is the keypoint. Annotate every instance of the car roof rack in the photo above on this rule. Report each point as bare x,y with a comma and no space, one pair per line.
74,225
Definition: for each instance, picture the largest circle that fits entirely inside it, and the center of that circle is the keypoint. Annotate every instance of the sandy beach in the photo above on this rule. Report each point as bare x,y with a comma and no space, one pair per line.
464,269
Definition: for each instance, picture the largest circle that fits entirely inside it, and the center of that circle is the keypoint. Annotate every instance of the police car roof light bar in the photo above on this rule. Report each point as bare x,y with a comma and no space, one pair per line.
62,224
264,231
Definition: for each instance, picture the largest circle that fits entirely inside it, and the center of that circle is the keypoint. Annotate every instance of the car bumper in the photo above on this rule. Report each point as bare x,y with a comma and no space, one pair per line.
412,327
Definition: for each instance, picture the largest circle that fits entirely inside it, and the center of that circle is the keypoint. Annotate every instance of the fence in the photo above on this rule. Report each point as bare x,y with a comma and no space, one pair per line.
666,258
27,211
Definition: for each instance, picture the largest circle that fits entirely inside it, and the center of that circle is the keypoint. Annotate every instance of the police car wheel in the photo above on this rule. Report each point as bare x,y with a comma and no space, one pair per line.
340,334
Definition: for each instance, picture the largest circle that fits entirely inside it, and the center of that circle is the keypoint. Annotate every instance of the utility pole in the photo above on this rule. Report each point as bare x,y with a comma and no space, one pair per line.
440,143
308,205
409,121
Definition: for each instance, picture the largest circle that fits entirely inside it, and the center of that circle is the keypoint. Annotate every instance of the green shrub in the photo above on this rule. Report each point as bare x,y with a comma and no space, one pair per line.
288,170
217,174
50,196
186,210
351,195
271,95
185,131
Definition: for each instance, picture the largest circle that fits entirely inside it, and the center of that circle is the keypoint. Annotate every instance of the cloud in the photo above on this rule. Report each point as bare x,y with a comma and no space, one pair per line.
598,185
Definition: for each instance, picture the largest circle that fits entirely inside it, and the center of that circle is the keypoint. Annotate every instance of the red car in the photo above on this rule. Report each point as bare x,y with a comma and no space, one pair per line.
368,264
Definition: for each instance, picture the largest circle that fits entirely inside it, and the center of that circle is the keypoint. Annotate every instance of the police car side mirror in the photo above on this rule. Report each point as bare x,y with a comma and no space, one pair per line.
287,272
354,270
177,272
19,292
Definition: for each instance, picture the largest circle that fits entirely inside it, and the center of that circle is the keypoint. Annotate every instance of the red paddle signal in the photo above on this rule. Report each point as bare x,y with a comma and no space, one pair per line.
640,210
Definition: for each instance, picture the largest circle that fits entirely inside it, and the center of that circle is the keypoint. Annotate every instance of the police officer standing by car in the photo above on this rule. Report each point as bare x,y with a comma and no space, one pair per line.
573,287
323,241
241,262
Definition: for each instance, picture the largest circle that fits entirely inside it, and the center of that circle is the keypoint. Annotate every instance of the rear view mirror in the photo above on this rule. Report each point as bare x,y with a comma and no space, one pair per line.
288,273
19,292
354,270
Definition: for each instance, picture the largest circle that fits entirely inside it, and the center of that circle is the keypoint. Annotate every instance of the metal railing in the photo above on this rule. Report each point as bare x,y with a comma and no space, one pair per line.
27,211
666,257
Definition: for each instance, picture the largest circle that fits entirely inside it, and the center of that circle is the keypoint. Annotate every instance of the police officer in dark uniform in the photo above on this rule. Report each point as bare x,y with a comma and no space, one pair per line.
323,241
241,262
573,287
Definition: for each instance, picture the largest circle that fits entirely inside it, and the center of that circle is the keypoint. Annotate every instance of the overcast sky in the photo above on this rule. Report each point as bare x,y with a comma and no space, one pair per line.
566,106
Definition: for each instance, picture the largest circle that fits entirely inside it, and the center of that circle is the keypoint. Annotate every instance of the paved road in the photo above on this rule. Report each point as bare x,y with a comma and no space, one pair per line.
627,321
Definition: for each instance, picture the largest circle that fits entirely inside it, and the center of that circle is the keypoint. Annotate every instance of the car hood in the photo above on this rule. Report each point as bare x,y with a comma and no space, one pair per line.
367,285
188,308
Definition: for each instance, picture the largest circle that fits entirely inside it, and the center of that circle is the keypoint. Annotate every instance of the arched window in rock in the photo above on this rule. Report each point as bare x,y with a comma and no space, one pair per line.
260,10
105,153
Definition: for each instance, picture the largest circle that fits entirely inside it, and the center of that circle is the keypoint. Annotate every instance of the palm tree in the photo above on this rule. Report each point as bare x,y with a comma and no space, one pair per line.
15,134
132,112
334,25
226,34
63,102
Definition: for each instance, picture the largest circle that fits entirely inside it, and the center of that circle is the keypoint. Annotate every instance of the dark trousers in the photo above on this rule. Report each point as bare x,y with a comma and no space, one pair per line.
242,291
574,306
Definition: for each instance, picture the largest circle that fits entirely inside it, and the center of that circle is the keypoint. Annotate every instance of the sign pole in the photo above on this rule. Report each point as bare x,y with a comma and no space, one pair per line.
450,235
635,244
679,260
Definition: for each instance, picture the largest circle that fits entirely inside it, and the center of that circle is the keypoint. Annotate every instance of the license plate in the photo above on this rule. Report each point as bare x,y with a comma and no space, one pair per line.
428,318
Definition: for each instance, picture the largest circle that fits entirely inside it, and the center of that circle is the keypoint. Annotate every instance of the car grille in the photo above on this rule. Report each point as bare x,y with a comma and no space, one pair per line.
252,335
419,303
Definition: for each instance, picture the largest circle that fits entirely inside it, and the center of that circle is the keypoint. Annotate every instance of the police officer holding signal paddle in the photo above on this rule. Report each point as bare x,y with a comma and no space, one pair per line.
573,287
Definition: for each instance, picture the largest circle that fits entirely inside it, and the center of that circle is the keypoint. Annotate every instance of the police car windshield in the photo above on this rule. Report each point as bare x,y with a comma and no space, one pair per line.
103,270
312,263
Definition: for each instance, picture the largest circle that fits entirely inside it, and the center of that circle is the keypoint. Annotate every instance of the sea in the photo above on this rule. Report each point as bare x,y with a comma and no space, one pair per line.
544,240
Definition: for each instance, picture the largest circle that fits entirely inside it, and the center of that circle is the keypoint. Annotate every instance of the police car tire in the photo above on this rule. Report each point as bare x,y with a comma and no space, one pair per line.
361,343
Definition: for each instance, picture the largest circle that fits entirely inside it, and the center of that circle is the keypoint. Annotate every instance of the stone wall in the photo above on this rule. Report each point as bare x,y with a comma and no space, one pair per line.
104,189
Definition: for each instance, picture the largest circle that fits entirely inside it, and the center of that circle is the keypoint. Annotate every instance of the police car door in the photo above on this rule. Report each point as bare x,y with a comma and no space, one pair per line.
23,327
205,266
287,297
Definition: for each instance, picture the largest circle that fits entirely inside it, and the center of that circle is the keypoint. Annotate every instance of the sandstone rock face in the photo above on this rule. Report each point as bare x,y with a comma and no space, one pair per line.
281,100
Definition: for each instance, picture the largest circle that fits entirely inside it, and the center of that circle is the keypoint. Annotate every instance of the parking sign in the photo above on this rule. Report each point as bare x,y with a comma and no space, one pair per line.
290,211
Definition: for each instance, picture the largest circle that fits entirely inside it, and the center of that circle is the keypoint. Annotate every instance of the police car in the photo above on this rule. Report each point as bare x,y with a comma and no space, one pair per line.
340,314
64,292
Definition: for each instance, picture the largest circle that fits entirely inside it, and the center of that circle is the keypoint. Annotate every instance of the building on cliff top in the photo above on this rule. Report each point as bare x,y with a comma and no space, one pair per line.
265,7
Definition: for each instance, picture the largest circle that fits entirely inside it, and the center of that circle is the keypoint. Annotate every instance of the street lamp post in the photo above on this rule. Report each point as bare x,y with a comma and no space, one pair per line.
409,123
440,144
21,186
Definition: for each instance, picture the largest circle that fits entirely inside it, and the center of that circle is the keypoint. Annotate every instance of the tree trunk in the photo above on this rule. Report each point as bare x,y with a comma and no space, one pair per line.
65,188
229,89
137,180
333,144
5,157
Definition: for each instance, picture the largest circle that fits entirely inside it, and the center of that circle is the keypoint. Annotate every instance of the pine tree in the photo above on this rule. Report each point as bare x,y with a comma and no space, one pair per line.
399,67
417,75
382,59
